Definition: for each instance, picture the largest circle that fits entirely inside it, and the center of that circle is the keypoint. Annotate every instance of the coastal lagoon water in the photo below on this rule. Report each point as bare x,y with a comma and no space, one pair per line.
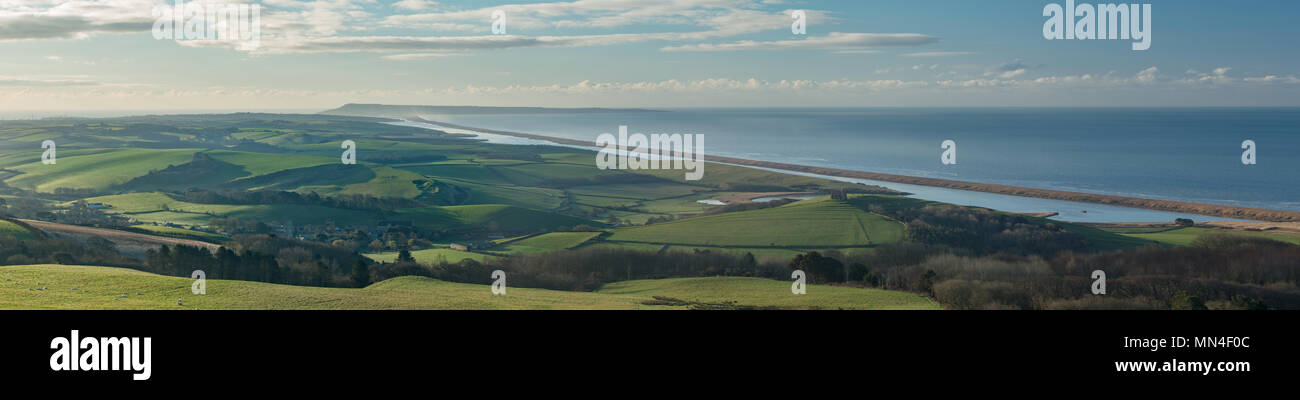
1159,153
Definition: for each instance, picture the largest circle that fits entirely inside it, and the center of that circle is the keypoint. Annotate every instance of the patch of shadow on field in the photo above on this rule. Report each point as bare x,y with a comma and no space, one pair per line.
329,174
203,170
699,305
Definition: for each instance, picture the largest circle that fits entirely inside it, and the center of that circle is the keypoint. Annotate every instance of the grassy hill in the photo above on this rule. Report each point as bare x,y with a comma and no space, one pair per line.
1103,240
83,287
95,169
260,163
158,207
767,292
1186,235
13,230
815,223
180,233
550,242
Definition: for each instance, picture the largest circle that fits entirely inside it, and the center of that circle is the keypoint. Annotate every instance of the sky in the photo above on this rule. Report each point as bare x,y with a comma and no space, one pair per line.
86,55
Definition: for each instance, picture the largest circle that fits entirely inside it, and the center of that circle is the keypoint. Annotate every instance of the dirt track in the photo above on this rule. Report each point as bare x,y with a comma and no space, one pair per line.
130,243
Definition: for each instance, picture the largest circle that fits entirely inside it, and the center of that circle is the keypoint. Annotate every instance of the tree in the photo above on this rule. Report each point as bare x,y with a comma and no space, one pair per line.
748,262
361,274
818,268
857,272
405,256
1184,222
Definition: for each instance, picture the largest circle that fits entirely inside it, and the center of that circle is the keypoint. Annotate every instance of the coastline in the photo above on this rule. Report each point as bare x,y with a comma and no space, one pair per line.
1212,210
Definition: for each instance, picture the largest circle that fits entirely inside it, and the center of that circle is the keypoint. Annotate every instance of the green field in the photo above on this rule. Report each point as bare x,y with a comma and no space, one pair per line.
767,292
1103,240
550,242
160,208
500,217
522,196
431,256
386,182
95,288
181,233
95,169
260,163
642,247
460,169
758,252
810,223
1185,236
13,230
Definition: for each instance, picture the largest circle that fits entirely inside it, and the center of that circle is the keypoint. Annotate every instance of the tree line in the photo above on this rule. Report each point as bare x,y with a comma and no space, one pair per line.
259,197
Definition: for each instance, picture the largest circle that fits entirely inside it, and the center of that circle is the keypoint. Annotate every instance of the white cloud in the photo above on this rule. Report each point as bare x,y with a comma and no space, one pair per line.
1148,75
834,41
36,82
1219,76
418,56
289,26
1291,79
938,54
416,5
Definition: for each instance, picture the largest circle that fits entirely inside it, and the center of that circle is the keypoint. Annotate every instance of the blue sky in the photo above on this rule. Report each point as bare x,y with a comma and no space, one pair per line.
102,55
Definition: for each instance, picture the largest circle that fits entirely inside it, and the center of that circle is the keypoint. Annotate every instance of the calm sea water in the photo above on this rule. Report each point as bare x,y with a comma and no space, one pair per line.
1175,154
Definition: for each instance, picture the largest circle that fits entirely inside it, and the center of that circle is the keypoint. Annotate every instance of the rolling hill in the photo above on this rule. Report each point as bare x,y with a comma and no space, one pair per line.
95,169
813,223
12,229
94,288
550,242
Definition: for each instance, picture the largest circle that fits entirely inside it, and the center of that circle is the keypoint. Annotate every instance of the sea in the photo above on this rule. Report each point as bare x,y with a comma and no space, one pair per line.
1185,154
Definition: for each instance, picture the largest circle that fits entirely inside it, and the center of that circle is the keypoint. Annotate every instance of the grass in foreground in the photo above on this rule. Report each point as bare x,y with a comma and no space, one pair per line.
84,287
768,292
